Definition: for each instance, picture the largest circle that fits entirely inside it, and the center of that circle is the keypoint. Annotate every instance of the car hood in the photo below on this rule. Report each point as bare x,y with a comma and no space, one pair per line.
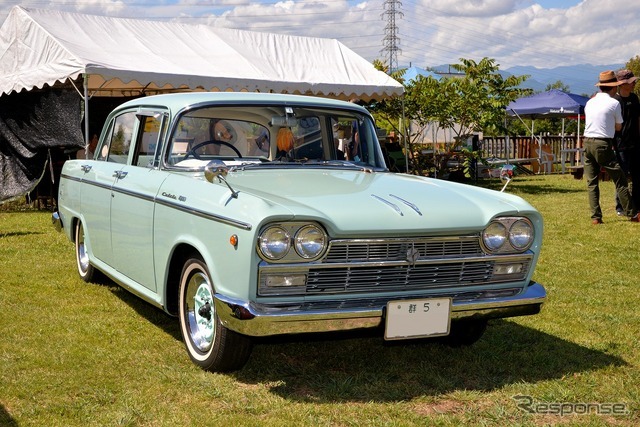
357,201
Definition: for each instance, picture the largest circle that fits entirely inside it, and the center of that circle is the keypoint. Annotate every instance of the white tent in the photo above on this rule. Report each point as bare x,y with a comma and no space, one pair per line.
130,57
106,57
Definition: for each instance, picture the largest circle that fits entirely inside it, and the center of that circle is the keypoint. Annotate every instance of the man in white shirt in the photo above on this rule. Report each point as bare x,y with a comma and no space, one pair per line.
603,117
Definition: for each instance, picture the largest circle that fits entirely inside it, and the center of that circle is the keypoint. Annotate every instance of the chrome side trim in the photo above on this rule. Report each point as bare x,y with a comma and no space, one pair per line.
173,205
205,215
133,194
255,319
71,178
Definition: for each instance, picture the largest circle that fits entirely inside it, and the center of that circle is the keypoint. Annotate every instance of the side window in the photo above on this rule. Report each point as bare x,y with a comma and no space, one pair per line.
148,141
118,141
103,150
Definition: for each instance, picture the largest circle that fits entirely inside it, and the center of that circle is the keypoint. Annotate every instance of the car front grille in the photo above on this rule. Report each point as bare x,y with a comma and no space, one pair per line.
396,249
398,277
401,265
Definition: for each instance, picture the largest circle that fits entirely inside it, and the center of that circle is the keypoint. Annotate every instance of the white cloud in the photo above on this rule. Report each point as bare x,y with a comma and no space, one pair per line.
434,32
590,32
471,8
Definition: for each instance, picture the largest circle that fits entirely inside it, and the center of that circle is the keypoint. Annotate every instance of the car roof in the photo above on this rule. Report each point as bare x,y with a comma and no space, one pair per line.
178,101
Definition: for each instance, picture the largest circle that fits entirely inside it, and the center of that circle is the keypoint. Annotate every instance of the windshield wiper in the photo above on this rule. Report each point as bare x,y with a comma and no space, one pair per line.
338,164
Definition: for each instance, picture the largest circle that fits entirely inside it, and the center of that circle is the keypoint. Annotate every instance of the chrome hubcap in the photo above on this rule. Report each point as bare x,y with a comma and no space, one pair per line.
200,311
83,258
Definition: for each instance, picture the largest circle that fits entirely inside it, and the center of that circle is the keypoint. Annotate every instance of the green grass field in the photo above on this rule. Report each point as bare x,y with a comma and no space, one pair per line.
76,354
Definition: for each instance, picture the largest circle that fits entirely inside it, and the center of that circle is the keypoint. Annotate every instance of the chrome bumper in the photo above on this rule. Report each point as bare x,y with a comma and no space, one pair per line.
262,320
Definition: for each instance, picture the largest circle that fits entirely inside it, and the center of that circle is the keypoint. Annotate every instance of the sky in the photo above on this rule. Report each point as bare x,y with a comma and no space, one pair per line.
539,33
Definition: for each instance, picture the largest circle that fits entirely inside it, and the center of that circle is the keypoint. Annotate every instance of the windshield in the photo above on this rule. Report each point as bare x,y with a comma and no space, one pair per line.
278,135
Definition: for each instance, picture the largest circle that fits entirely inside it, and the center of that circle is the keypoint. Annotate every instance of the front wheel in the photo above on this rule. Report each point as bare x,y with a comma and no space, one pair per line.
209,344
86,271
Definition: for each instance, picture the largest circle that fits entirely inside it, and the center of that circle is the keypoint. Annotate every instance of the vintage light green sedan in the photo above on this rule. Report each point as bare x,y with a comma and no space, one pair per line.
250,215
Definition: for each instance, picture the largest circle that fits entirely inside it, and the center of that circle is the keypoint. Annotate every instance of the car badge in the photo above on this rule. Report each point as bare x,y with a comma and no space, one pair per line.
412,255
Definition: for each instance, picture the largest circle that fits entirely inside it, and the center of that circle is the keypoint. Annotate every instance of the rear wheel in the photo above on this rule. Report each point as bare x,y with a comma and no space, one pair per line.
209,344
86,271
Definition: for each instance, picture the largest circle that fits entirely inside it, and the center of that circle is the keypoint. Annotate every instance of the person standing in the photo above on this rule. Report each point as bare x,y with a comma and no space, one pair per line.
603,117
628,139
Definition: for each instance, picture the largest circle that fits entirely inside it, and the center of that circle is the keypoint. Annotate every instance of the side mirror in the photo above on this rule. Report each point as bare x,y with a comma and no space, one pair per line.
214,169
218,169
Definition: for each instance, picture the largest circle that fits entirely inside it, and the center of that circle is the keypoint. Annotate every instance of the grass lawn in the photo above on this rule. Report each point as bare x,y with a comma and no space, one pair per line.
76,354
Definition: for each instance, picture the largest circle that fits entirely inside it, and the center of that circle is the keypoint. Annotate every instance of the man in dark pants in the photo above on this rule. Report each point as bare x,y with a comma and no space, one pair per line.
628,139
603,117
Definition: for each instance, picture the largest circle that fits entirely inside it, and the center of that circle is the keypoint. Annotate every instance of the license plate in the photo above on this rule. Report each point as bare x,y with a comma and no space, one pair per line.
417,318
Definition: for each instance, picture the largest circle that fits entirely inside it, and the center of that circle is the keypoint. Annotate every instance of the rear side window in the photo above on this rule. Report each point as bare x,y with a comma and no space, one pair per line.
118,141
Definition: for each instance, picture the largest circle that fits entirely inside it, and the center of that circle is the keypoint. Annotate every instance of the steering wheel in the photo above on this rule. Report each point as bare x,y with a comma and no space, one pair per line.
192,150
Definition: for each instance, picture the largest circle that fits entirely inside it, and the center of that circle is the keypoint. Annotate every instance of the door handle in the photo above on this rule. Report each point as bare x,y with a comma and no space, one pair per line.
85,168
120,174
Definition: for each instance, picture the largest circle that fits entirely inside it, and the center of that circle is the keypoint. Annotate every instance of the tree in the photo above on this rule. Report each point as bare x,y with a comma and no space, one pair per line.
634,66
557,85
477,101
472,102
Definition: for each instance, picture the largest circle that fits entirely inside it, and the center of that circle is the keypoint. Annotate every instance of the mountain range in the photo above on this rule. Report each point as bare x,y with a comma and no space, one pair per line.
580,79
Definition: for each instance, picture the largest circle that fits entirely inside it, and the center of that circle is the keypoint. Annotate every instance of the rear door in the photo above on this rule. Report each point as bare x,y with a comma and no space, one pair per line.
99,176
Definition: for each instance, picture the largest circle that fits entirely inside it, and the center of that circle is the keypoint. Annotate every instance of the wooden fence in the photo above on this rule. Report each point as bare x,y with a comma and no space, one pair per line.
558,154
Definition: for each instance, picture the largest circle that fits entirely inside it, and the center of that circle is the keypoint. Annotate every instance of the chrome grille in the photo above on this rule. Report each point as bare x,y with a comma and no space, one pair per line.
400,277
388,265
396,249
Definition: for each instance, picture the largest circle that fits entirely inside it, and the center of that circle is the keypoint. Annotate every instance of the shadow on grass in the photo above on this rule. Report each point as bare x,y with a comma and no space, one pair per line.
6,420
368,369
362,367
19,233
545,189
151,313
527,185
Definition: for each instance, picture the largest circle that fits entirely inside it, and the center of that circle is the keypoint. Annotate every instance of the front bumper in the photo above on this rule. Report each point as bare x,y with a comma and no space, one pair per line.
254,319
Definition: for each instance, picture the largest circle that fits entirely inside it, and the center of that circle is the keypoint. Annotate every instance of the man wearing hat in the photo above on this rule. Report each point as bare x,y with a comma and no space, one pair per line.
628,139
603,117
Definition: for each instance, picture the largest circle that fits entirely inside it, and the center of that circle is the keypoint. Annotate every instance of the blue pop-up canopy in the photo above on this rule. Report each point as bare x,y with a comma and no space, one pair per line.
545,105
412,73
553,103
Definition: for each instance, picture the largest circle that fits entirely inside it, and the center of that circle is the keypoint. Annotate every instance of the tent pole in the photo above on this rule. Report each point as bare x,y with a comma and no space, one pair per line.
562,147
86,113
404,133
507,143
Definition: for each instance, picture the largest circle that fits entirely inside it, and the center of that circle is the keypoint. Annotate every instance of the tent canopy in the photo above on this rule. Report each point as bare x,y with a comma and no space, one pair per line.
412,73
127,57
550,104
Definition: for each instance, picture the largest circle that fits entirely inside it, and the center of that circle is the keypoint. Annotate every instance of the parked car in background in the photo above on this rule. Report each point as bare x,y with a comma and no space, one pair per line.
240,214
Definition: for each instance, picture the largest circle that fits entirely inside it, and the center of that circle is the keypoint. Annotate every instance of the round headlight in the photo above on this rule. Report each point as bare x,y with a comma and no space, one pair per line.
310,241
494,236
521,234
274,242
